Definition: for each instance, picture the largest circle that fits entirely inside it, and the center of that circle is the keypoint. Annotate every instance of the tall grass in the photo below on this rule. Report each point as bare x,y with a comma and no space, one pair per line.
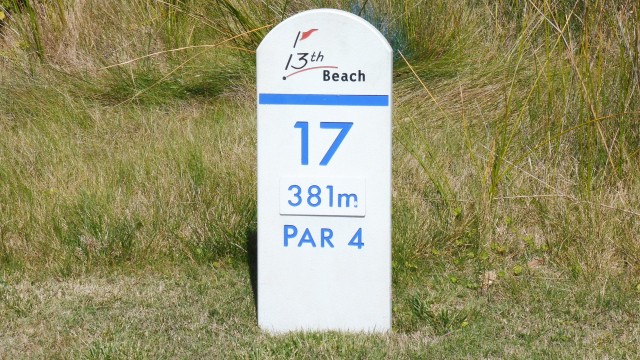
516,132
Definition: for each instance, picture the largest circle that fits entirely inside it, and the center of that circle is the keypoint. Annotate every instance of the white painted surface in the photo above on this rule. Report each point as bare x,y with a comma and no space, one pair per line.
309,277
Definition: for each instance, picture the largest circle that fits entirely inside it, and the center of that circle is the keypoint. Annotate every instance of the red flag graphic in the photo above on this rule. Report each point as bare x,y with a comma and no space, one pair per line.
307,33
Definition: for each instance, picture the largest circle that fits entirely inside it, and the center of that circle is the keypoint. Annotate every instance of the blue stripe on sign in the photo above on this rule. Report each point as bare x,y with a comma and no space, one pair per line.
323,99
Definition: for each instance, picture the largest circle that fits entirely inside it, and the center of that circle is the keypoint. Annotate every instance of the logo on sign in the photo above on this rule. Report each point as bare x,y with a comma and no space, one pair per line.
299,62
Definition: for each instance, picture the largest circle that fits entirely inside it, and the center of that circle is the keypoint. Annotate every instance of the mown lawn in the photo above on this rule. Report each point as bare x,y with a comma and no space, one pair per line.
208,311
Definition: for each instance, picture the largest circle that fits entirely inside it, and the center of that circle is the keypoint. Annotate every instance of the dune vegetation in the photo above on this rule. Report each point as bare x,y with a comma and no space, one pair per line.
128,179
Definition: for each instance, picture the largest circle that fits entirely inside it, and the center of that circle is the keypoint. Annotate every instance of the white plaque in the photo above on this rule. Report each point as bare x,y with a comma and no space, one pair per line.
331,196
324,175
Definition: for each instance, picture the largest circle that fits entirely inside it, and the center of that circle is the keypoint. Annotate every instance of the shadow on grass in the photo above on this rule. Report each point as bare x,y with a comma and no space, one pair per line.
252,260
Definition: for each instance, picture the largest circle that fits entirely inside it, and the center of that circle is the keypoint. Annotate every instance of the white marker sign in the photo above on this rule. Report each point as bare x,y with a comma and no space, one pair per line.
324,175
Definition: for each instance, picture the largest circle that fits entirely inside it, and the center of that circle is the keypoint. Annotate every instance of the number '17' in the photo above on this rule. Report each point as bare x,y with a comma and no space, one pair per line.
344,128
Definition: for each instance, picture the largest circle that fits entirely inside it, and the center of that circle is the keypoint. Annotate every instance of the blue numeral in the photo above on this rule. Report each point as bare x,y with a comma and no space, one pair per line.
344,129
330,188
314,196
296,194
304,129
356,240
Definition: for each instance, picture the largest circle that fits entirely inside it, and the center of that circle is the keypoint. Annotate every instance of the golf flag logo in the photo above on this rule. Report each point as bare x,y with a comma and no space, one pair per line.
303,35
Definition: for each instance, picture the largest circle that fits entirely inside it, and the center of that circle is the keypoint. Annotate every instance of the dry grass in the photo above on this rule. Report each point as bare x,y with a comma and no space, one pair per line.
516,137
208,311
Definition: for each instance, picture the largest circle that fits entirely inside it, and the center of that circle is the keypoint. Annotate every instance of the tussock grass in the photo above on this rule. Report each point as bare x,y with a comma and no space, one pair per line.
116,190
128,140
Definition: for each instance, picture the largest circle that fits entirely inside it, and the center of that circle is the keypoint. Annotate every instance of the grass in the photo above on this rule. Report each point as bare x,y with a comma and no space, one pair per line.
127,193
208,311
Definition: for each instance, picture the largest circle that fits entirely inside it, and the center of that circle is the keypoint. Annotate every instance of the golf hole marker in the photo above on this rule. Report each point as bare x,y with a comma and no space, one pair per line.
324,81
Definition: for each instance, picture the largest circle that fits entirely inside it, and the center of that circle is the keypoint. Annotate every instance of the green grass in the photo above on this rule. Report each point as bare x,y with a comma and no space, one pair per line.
128,202
208,311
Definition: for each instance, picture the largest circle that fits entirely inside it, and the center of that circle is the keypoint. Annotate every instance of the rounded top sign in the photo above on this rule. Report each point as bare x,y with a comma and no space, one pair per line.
324,51
324,108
